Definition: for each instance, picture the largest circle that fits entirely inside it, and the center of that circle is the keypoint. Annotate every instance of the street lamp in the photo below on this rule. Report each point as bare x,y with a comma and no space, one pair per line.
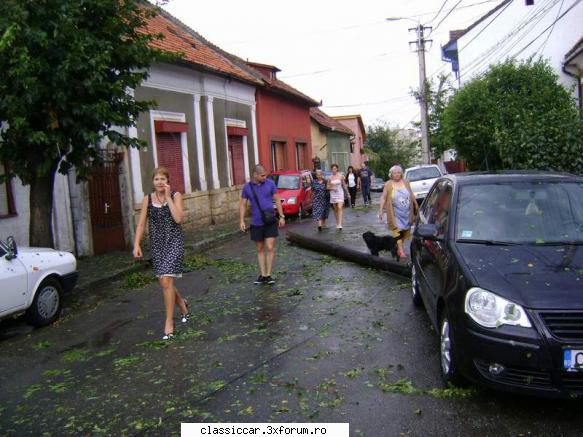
420,48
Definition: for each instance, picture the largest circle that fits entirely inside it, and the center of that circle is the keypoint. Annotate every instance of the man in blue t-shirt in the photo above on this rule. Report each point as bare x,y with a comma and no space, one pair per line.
364,180
261,193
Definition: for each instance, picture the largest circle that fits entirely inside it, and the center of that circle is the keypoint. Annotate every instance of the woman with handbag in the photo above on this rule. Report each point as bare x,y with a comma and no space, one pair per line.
261,193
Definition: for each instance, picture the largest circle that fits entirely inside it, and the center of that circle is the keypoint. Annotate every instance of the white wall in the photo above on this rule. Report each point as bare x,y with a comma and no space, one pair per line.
17,226
502,36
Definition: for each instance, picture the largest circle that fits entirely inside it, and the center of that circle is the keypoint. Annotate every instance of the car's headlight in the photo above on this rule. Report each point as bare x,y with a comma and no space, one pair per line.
491,311
291,201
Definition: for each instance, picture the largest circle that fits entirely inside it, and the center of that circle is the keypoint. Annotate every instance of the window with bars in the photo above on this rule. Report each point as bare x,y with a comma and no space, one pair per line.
7,208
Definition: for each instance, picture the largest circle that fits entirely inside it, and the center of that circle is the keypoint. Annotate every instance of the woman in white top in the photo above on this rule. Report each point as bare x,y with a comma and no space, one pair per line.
351,182
336,186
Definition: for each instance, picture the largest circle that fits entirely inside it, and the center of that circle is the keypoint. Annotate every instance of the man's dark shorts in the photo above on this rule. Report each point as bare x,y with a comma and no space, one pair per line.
260,233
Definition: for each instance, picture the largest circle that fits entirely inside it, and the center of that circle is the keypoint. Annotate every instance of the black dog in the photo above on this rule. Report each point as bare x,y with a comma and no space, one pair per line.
378,243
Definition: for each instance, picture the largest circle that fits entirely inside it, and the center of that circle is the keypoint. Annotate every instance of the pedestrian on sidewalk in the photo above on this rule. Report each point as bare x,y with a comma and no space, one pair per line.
401,207
351,181
320,199
364,180
261,193
164,212
337,186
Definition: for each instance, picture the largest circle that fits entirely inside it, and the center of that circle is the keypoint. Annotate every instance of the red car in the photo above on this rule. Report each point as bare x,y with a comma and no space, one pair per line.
295,189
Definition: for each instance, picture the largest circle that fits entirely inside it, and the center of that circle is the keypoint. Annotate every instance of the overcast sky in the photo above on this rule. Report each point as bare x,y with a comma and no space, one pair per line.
341,52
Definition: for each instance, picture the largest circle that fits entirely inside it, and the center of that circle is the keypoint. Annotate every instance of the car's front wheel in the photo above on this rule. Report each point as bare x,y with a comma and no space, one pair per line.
415,297
447,352
47,303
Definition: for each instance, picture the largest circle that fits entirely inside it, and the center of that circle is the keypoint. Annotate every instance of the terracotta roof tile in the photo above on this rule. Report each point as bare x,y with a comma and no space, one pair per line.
328,122
179,38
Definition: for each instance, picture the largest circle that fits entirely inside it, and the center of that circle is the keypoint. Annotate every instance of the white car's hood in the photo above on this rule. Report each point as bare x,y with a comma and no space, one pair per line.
43,258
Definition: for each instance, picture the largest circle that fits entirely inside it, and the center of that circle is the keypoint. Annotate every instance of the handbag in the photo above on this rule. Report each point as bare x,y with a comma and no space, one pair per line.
267,215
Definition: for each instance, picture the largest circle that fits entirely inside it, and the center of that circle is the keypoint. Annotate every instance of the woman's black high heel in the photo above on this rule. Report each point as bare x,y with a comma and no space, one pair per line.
168,336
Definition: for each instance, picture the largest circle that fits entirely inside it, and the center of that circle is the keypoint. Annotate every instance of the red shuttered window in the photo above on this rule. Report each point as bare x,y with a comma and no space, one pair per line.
169,151
236,159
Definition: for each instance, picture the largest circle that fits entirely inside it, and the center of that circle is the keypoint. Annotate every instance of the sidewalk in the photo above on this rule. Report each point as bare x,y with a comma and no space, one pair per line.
99,269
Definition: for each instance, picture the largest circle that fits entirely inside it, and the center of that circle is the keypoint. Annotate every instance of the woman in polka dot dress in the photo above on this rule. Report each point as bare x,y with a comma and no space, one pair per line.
164,210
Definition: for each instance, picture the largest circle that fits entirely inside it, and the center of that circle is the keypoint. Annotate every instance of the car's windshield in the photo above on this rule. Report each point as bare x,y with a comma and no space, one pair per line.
422,173
379,181
540,212
286,181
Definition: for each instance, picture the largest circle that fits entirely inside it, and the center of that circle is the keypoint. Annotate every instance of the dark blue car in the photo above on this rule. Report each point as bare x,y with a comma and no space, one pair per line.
497,261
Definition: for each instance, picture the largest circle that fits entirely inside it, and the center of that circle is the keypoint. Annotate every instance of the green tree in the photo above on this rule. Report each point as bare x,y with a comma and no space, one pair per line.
67,68
385,148
438,94
516,116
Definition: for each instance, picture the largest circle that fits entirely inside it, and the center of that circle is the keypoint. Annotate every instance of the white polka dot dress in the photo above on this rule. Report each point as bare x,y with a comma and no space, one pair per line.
166,240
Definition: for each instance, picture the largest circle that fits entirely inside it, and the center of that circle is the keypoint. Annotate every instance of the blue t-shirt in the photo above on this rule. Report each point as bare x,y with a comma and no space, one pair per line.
264,192
365,176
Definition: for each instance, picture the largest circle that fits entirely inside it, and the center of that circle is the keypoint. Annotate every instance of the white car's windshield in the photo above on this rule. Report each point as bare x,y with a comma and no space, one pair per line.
537,212
422,173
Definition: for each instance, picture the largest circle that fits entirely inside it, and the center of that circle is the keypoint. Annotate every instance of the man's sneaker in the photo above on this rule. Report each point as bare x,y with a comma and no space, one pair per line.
269,280
260,280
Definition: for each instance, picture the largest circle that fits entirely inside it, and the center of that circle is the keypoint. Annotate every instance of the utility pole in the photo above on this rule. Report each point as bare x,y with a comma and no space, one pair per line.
420,49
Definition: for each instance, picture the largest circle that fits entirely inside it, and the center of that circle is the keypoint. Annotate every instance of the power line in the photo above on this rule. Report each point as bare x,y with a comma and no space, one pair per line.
487,56
548,27
438,12
542,47
446,15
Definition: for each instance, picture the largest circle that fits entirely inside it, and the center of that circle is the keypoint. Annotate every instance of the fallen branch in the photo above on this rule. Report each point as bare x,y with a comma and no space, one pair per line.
348,254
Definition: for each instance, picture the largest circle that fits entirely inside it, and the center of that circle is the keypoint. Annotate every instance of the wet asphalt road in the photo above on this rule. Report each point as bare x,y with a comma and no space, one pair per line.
329,342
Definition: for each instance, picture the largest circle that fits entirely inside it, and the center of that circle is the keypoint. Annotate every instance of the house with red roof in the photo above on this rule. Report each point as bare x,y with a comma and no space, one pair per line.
355,124
331,141
283,122
216,117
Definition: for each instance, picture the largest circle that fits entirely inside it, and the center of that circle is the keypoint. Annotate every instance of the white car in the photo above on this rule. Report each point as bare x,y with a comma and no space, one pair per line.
421,179
33,279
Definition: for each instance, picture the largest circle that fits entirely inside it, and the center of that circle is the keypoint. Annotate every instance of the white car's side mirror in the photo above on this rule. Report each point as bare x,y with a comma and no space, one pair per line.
12,249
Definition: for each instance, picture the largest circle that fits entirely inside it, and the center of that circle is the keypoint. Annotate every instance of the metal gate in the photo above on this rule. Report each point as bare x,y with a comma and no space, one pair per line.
105,204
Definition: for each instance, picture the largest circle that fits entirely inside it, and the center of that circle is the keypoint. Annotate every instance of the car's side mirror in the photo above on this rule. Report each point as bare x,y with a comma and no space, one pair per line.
427,231
12,249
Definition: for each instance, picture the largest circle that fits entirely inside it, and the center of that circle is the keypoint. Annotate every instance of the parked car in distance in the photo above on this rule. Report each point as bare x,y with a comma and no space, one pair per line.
421,178
497,261
295,190
33,279
377,184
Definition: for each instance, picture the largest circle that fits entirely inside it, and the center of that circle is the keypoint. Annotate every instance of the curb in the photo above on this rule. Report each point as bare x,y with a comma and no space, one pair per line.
195,247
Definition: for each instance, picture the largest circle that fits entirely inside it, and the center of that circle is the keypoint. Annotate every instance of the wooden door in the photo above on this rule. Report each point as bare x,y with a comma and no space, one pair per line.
236,159
105,204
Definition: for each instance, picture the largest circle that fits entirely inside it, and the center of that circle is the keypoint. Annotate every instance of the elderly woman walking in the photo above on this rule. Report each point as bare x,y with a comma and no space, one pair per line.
321,202
401,207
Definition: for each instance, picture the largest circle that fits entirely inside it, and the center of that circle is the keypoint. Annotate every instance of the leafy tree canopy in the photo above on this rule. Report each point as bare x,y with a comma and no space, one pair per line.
387,147
67,69
515,116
